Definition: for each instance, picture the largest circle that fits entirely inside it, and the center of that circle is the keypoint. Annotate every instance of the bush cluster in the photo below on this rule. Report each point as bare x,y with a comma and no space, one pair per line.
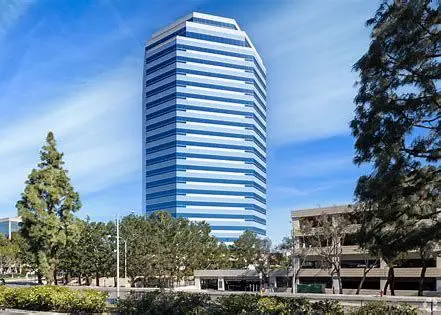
382,308
181,303
53,298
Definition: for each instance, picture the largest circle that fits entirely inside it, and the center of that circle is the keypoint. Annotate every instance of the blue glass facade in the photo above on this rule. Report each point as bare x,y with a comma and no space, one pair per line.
204,126
9,225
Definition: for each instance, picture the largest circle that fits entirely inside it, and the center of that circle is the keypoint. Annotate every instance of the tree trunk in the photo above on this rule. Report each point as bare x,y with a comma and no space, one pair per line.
392,281
55,276
40,278
79,279
385,286
360,285
422,277
97,279
388,281
332,279
340,285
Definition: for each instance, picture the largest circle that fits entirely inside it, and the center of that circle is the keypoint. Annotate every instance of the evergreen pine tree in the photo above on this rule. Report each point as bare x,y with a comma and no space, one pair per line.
46,207
397,127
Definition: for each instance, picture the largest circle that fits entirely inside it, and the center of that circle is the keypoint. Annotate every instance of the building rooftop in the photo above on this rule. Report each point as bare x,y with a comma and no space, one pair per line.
313,212
13,219
195,15
237,273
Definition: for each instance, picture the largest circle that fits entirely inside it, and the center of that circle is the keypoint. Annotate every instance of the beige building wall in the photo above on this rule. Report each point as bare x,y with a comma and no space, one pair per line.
407,278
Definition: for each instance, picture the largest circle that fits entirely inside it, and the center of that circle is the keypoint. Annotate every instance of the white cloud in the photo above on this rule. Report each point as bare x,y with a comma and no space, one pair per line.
93,124
309,49
10,13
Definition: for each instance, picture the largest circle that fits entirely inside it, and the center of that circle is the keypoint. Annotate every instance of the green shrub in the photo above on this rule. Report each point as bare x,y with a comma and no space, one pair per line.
157,302
327,308
382,308
53,298
238,303
180,303
271,305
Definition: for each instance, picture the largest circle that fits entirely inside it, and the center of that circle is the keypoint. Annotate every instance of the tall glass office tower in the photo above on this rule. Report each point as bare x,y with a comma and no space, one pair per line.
204,126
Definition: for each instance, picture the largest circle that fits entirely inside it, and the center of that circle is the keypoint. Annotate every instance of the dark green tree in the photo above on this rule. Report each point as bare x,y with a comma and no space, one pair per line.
169,249
92,255
397,128
9,255
137,232
249,249
47,209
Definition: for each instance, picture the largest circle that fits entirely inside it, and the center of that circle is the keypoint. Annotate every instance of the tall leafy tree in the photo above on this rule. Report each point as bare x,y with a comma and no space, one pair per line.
9,255
327,236
169,249
92,255
397,127
295,257
141,242
249,249
47,207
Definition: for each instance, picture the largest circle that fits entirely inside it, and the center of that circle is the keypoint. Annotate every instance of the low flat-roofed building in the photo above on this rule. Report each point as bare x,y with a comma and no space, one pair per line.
353,261
228,280
9,226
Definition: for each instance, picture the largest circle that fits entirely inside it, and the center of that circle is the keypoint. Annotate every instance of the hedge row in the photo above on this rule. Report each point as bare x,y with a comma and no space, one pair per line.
180,303
53,298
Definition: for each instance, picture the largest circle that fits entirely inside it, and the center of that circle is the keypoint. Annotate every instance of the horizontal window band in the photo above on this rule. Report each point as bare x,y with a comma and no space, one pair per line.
175,107
213,63
175,47
257,77
161,112
197,96
179,155
218,39
177,95
181,131
258,99
183,71
223,52
221,216
228,239
259,90
179,204
180,32
174,180
213,23
209,86
175,120
161,77
214,75
159,66
205,145
183,83
237,228
177,59
165,51
177,168
208,193
174,72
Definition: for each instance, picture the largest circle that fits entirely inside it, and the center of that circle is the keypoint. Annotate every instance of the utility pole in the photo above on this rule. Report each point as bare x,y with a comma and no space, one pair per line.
117,257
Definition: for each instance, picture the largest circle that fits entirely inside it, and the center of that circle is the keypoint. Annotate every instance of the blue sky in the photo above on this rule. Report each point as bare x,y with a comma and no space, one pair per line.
75,67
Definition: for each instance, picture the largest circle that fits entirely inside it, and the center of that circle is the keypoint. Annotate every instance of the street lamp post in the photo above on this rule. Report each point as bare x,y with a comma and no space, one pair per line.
125,260
117,257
